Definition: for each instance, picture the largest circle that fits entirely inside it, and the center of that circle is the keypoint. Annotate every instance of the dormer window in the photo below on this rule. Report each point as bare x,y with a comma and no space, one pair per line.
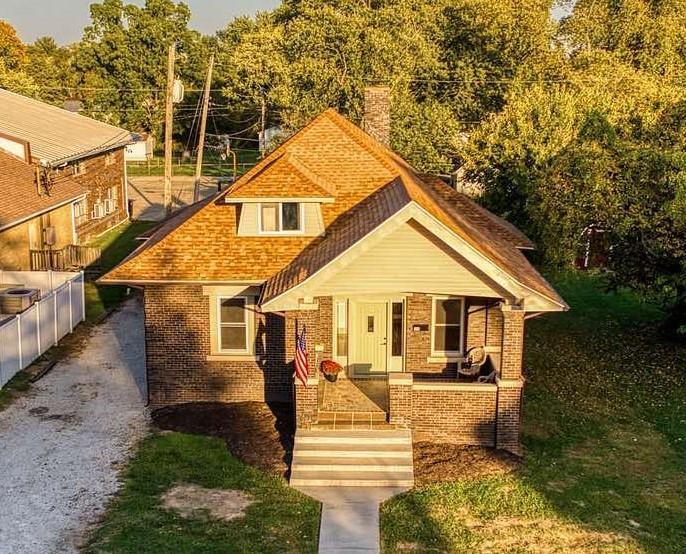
281,218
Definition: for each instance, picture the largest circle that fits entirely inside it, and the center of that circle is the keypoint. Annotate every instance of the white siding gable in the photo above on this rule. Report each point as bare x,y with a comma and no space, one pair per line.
410,259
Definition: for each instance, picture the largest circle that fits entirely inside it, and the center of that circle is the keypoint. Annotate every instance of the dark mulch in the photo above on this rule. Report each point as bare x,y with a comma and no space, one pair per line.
437,463
258,434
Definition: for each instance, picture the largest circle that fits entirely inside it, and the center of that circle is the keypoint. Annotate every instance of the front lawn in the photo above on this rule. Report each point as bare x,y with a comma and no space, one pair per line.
280,520
605,440
116,244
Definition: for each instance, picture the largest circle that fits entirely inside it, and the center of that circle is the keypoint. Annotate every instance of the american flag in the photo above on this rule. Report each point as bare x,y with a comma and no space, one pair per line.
301,365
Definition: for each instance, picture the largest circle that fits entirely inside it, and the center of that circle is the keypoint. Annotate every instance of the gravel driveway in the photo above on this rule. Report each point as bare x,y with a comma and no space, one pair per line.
62,445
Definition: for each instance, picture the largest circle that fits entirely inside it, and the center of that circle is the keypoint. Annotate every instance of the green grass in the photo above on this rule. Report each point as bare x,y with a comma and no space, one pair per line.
213,165
116,244
605,440
281,519
15,387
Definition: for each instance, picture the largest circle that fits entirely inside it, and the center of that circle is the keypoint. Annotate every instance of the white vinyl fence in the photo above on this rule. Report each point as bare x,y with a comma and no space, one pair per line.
26,336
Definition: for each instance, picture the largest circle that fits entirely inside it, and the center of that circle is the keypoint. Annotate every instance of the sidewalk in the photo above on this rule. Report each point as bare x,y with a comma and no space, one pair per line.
350,517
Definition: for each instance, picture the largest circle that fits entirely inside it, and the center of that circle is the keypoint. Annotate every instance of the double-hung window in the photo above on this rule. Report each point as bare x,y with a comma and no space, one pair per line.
446,328
234,332
280,217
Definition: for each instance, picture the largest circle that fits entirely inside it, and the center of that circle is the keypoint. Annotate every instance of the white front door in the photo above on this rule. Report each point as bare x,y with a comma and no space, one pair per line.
370,333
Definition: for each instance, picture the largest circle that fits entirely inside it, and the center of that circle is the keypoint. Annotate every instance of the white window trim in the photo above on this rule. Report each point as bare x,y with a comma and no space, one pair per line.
447,354
248,330
301,219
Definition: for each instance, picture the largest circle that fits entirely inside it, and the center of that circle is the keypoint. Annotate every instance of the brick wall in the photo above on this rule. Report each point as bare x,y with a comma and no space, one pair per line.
418,343
400,399
484,324
509,418
306,403
377,113
100,175
456,416
513,343
177,327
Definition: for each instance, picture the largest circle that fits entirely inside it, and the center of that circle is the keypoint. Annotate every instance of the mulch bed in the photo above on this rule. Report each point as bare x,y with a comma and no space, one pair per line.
261,435
258,434
437,463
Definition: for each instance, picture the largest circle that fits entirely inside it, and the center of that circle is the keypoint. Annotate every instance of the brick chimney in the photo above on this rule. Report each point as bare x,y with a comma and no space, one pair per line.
377,113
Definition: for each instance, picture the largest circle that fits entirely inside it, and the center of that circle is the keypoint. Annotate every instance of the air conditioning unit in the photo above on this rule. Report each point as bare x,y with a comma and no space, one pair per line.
17,300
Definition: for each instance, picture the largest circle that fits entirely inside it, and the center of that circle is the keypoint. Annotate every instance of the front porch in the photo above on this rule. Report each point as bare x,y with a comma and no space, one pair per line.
401,357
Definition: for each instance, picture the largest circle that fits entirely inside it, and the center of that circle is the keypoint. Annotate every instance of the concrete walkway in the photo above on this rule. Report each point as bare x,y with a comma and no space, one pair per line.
63,443
350,517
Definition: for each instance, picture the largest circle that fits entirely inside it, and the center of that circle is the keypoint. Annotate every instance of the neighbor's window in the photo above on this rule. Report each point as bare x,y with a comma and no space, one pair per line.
447,326
280,217
233,324
342,329
80,216
79,168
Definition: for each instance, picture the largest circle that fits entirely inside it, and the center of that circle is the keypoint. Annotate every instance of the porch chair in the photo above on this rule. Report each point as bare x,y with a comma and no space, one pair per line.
475,359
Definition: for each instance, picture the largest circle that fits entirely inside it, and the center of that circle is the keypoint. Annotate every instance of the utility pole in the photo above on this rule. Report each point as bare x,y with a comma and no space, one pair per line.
168,129
263,125
203,127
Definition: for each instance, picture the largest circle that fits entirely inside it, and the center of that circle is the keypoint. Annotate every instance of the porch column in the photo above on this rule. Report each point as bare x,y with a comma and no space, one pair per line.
510,381
513,342
306,402
400,399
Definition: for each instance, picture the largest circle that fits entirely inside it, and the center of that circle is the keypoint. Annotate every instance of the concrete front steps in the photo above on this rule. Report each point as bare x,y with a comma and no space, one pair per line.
348,458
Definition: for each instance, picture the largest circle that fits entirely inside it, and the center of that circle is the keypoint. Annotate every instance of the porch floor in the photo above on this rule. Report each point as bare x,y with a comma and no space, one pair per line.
355,395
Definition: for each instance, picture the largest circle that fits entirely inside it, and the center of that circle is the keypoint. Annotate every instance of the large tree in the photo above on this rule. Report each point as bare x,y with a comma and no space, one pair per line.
308,55
50,67
122,60
605,146
13,62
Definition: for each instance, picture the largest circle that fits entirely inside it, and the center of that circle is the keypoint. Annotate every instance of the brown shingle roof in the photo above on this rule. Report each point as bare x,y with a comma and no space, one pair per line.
369,184
19,196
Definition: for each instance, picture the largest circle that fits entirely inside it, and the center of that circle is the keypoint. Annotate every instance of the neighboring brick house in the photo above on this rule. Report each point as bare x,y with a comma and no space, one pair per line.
391,272
61,146
27,209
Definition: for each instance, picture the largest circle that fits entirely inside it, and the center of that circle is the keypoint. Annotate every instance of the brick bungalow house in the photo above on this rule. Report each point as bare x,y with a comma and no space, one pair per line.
392,273
60,147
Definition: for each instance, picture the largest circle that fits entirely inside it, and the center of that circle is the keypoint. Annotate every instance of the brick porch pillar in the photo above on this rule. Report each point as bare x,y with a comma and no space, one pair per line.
400,399
510,381
306,402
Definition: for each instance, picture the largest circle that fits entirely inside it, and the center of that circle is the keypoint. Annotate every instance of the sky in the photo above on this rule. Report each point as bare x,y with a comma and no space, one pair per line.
65,19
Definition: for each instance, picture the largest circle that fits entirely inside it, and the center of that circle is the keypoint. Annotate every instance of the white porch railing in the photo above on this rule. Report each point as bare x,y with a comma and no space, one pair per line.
25,336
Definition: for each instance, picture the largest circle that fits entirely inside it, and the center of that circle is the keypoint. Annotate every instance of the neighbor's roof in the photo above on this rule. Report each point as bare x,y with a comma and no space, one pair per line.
56,135
19,198
369,184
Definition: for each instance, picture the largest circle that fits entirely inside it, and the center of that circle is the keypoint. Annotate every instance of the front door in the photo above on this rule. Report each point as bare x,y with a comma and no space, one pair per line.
370,333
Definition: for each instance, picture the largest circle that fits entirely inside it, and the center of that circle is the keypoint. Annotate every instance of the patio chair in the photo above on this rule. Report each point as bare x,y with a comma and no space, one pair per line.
475,359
